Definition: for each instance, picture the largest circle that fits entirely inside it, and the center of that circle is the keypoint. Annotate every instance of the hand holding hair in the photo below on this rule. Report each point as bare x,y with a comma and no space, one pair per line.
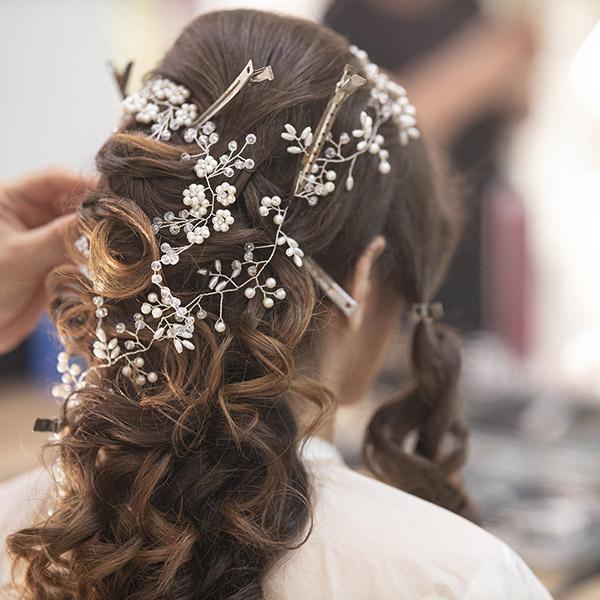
34,213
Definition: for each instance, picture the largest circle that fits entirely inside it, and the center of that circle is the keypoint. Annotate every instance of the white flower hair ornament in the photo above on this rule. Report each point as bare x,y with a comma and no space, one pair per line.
206,210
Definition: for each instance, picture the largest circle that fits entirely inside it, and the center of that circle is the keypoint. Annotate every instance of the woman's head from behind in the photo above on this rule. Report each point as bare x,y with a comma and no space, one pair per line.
190,485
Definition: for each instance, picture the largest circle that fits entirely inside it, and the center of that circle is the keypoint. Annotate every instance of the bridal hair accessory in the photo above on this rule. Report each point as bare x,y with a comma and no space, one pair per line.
206,210
387,100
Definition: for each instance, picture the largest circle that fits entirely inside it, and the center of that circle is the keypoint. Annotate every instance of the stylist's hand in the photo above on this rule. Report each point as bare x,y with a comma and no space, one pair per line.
34,214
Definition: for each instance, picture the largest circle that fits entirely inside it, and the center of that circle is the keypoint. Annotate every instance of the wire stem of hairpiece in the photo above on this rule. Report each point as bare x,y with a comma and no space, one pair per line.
248,75
349,83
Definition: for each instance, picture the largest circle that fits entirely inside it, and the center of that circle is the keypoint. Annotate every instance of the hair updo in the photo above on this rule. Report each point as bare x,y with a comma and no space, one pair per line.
191,486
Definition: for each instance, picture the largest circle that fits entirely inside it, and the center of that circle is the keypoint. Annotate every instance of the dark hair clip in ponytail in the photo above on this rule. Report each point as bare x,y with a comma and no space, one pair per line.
428,310
46,425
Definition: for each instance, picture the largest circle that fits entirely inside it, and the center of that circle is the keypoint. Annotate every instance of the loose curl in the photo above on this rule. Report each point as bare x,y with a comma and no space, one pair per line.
192,486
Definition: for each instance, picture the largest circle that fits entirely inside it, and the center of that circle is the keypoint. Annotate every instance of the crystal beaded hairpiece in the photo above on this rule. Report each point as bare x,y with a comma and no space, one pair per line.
387,100
166,107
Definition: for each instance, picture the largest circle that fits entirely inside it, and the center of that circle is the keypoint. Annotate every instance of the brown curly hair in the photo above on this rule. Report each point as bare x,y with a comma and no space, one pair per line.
191,487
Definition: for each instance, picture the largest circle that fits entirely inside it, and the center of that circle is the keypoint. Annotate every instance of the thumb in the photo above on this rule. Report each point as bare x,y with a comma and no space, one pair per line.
45,245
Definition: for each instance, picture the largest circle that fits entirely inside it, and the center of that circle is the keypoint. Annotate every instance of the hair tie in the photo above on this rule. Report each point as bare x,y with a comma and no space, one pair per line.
428,310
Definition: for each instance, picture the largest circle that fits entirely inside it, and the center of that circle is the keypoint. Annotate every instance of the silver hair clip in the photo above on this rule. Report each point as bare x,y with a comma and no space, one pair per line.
344,301
427,311
248,75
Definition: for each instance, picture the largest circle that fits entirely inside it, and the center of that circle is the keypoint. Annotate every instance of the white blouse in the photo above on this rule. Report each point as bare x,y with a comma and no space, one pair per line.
369,542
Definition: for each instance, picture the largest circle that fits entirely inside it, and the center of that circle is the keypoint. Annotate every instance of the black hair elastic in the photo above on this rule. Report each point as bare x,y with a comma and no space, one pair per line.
428,310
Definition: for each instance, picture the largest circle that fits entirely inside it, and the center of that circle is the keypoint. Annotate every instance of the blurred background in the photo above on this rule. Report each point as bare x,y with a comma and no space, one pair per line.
510,92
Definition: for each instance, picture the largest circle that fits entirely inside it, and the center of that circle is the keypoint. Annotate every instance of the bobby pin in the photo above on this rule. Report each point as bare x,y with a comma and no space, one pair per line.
248,75
346,303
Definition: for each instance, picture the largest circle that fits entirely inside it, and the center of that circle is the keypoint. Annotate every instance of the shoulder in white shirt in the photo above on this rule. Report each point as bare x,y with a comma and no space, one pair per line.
369,542
373,542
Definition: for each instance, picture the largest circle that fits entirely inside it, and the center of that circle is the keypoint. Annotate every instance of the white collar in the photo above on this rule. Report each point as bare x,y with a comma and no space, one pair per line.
319,449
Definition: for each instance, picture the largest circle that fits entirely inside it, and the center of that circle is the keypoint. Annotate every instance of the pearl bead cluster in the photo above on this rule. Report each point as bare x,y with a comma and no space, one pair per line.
162,103
390,99
204,211
109,352
69,375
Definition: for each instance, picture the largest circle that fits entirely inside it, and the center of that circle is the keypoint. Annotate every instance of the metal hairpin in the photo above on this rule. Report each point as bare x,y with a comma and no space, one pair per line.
344,301
347,85
248,75
121,76
46,425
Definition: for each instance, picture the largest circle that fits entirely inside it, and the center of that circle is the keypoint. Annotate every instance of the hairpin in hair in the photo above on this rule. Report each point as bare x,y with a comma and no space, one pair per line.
427,311
248,75
165,106
46,425
164,103
344,301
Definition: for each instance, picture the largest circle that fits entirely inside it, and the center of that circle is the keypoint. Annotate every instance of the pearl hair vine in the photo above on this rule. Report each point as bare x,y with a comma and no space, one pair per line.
206,210
317,176
164,106
387,100
390,98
